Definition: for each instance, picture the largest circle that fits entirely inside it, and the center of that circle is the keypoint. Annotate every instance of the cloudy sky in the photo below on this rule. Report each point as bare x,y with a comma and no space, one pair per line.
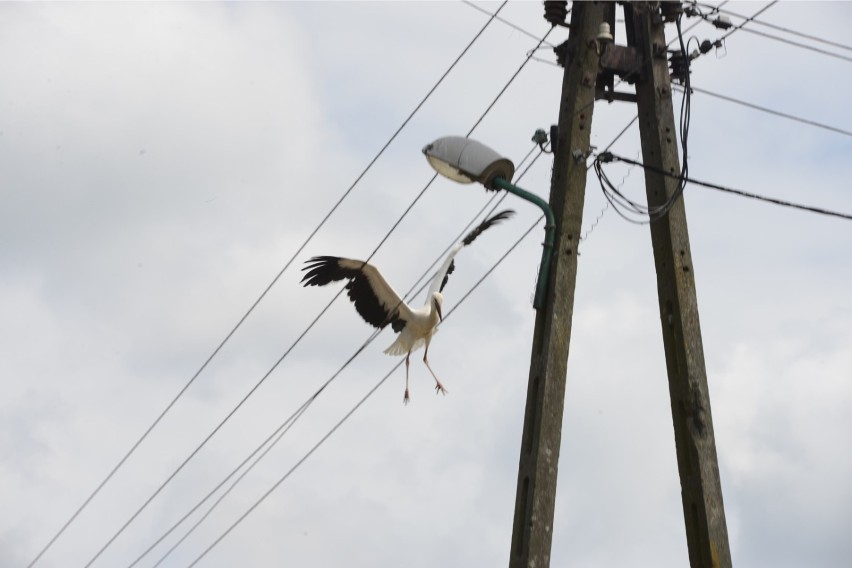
160,163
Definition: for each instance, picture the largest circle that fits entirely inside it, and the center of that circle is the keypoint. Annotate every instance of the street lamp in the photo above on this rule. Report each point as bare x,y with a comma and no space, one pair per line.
466,161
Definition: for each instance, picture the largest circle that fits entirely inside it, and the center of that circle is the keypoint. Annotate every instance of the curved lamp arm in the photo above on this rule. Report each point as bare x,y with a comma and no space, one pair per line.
549,237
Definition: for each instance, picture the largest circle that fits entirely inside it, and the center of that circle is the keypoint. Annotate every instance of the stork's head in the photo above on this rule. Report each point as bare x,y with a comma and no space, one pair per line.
437,302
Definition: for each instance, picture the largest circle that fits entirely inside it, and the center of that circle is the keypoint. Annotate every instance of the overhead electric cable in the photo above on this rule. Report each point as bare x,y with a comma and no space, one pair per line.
609,156
270,442
747,20
225,493
505,21
790,31
619,135
798,33
799,45
258,300
771,111
283,428
707,17
302,335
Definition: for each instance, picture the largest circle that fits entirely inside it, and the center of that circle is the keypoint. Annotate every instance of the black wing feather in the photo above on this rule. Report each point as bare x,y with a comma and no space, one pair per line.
471,236
450,270
322,270
501,216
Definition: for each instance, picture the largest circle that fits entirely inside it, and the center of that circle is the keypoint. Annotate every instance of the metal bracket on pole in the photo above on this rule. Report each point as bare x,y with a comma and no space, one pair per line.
549,237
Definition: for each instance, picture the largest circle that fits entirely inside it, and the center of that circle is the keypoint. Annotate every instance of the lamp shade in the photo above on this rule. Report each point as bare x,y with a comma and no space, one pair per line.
464,160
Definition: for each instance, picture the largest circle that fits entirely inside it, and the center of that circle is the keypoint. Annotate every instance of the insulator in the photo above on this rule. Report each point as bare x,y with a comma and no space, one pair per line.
556,11
679,66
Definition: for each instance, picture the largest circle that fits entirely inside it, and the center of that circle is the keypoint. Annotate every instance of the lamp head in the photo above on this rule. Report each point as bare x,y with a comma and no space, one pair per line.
466,161
604,34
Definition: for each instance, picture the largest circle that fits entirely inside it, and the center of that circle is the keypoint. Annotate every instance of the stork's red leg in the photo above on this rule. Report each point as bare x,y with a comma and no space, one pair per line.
439,388
405,398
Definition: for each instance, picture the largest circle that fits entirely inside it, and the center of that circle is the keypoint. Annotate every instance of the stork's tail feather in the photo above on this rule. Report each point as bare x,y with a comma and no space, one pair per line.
398,347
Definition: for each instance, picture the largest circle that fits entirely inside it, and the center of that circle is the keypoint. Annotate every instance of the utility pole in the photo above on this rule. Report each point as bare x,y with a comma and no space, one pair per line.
587,65
532,531
701,489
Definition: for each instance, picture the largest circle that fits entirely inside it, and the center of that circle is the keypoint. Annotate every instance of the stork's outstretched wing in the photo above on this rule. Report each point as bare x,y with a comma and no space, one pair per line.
449,265
376,301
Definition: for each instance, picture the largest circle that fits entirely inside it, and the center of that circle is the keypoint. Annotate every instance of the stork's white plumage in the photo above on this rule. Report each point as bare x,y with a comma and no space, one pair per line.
380,305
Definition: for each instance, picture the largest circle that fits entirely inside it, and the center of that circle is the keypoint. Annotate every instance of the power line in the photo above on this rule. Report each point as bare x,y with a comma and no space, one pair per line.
747,20
260,298
303,334
621,133
609,156
506,86
228,490
707,17
300,462
771,111
283,428
505,21
783,29
800,45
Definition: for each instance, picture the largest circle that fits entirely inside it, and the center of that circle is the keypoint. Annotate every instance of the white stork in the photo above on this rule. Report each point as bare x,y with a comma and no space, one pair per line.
380,305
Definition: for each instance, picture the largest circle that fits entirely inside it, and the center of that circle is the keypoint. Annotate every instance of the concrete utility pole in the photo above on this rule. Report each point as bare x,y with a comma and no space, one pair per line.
701,489
537,469
643,62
